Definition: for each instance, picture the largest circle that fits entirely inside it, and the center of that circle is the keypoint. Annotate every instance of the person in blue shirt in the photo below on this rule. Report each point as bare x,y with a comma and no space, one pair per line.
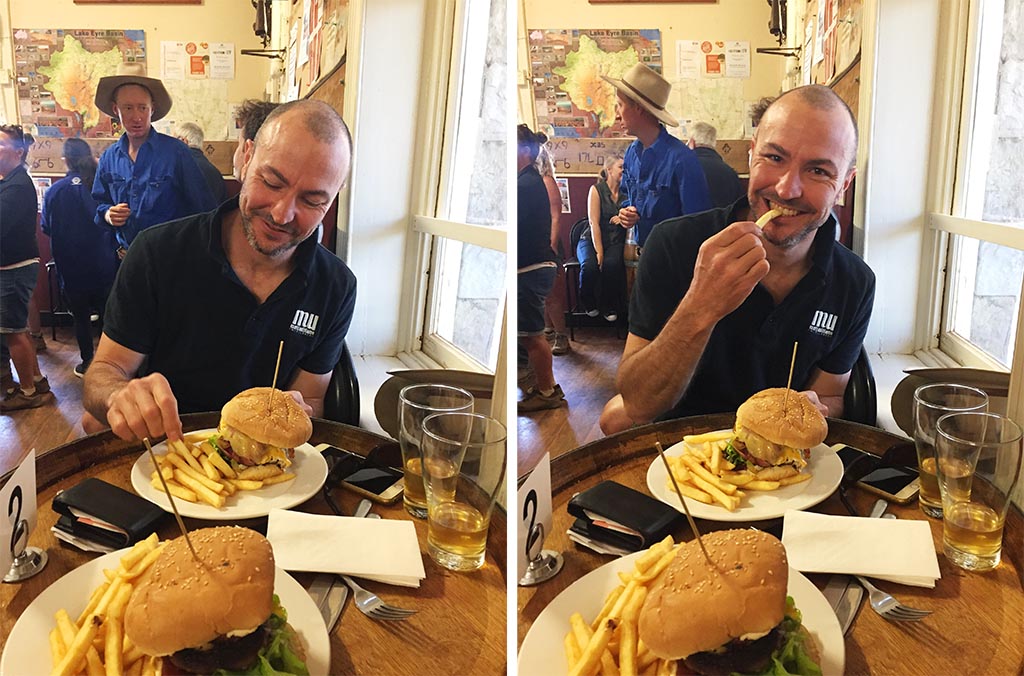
84,252
661,177
145,177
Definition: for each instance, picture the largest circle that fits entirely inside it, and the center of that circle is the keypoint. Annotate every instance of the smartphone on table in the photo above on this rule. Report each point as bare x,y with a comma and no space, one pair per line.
379,483
896,484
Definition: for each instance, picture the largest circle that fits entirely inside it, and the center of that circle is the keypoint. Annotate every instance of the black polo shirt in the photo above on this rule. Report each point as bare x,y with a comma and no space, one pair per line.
750,349
177,300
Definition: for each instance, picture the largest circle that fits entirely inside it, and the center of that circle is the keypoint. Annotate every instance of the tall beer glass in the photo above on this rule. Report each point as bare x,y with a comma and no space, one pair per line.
415,404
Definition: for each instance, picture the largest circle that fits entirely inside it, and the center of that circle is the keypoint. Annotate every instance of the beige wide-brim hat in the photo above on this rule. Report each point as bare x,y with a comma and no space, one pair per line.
132,73
650,90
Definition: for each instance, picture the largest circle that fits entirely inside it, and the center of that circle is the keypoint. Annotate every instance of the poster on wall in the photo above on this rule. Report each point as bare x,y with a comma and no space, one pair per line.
848,33
570,98
197,60
57,71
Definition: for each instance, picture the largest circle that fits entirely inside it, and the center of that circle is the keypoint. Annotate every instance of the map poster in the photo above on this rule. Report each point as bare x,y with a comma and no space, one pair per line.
57,72
570,98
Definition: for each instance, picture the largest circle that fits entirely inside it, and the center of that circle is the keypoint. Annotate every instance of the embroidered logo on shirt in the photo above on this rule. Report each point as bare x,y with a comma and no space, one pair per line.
304,322
76,181
823,323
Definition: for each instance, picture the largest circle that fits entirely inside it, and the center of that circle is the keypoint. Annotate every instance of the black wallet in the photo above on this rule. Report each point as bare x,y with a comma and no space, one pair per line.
98,511
620,515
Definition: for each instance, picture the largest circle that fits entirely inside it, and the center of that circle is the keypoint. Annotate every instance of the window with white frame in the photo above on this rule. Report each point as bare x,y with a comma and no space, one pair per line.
463,309
985,217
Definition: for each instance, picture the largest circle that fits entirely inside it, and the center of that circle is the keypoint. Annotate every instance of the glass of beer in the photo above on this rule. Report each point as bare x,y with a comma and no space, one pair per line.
415,404
979,462
931,402
464,464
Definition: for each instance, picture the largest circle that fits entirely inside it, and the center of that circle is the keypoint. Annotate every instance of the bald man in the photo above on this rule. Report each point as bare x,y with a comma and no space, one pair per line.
719,302
201,304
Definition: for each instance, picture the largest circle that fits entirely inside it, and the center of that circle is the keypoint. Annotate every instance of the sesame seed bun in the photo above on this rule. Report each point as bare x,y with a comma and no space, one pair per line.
792,421
181,602
279,422
695,607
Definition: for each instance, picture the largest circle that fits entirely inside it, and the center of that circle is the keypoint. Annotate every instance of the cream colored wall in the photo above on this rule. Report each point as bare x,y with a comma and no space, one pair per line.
213,21
723,20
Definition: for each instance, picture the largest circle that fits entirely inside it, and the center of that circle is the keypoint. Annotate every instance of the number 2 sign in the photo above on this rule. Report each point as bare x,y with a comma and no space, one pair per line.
534,513
18,501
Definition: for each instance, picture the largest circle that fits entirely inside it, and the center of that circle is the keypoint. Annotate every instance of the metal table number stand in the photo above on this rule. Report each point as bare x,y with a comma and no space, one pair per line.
18,498
536,564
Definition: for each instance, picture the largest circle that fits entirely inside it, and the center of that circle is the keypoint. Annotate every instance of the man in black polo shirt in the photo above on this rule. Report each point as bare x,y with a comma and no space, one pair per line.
200,304
718,302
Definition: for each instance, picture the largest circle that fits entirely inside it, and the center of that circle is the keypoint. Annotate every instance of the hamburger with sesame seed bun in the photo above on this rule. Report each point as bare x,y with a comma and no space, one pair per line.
774,431
729,616
217,612
261,426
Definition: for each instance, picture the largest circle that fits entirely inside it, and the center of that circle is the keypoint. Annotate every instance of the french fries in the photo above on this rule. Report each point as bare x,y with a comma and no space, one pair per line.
610,643
704,474
195,471
95,644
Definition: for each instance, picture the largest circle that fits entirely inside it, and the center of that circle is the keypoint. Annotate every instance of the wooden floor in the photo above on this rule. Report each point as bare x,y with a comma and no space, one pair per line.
587,376
54,424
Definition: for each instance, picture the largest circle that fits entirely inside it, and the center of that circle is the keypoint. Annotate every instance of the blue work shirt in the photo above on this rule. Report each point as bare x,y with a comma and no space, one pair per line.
83,251
663,181
162,184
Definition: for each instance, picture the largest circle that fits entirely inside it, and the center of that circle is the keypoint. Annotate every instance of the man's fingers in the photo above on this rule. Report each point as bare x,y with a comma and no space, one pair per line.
297,396
145,407
738,233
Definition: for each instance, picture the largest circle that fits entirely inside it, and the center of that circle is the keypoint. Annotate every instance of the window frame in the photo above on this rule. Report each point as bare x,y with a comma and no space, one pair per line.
957,96
442,73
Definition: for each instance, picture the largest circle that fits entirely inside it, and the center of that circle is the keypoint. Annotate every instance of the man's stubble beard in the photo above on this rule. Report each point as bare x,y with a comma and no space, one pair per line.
250,237
795,238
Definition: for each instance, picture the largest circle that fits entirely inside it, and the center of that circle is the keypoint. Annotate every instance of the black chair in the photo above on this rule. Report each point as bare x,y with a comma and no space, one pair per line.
341,402
574,309
860,401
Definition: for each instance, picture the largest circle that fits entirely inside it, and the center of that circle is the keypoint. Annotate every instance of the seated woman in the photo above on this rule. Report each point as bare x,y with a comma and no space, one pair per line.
602,271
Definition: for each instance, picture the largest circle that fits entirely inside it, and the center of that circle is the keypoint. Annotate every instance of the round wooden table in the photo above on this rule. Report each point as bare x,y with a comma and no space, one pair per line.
461,624
978,622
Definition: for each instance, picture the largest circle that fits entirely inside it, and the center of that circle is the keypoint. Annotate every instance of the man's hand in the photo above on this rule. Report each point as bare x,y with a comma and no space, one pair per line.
729,266
118,214
813,396
144,407
628,217
297,396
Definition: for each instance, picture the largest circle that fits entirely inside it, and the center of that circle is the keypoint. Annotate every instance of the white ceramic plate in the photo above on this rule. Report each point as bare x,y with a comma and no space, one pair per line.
309,467
826,472
27,650
542,653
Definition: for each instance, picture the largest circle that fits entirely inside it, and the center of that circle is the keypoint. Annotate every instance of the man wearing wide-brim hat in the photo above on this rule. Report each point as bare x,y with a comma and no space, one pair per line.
145,177
661,176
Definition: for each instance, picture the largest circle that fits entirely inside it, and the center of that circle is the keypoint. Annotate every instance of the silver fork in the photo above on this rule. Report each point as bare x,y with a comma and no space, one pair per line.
888,607
372,605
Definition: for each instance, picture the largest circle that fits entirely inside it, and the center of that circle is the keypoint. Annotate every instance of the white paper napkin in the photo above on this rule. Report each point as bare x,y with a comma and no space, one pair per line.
385,550
898,550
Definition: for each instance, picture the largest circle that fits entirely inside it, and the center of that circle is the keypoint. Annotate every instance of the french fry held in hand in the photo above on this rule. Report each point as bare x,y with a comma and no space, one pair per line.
196,472
73,645
610,644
